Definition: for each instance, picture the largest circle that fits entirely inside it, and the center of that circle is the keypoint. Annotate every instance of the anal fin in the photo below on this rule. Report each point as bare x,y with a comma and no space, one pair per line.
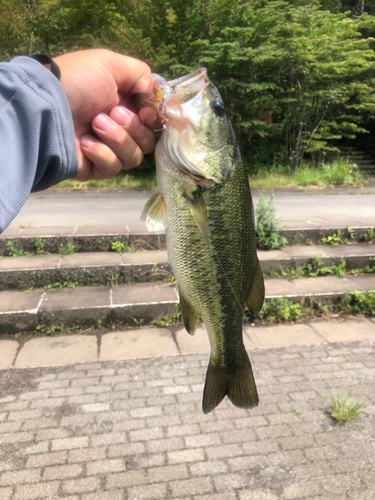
189,317
256,296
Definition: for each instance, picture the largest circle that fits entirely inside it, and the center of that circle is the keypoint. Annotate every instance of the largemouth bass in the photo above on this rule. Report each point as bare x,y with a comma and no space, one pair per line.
205,205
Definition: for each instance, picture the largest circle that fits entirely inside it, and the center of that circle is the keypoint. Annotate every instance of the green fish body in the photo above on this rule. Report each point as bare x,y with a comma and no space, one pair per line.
204,203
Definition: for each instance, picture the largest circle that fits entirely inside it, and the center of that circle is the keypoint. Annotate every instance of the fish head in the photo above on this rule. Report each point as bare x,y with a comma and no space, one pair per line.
197,135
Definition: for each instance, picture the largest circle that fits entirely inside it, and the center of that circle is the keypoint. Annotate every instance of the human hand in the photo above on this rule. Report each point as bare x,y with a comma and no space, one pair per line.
110,133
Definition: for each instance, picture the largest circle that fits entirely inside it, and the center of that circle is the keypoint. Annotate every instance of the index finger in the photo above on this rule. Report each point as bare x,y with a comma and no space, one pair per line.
131,75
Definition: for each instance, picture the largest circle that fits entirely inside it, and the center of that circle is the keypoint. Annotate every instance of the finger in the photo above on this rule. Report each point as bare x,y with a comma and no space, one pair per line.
134,127
150,118
118,140
131,75
105,163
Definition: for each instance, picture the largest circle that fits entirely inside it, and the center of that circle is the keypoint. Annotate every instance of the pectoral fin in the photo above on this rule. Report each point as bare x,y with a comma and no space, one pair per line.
256,296
199,211
189,317
155,213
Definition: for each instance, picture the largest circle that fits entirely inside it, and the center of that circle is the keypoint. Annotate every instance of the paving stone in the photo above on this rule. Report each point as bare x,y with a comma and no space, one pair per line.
6,493
190,344
232,454
193,486
62,472
81,485
8,350
152,491
42,490
20,477
126,479
45,351
137,344
277,336
345,331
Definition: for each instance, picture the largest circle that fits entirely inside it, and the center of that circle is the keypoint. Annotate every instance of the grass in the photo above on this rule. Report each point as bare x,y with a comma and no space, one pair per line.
339,172
118,181
343,409
315,268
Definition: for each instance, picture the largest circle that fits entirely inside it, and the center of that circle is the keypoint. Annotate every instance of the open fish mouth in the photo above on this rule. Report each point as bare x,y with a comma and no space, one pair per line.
179,90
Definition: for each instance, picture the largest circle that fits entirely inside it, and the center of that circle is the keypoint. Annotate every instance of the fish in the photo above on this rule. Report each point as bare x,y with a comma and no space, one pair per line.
204,204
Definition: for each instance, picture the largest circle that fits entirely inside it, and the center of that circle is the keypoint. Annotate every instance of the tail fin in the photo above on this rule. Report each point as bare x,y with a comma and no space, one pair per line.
235,382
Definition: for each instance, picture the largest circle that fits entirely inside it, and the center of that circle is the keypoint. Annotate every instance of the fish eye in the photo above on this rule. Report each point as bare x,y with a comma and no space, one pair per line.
217,107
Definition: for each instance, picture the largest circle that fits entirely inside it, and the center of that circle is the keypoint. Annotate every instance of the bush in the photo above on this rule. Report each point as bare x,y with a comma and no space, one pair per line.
268,229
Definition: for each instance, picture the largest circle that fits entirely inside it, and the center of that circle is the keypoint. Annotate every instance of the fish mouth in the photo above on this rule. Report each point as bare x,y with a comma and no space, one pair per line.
180,89
188,86
191,79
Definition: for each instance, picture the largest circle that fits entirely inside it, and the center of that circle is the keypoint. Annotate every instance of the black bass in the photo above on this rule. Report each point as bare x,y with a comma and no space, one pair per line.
205,205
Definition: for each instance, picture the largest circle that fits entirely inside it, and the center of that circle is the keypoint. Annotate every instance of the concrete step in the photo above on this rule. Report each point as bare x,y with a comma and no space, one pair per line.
95,240
127,304
102,268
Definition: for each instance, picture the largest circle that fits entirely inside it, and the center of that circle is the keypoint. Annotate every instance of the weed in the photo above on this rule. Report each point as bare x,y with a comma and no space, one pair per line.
283,309
358,302
332,239
99,323
61,284
68,250
39,245
13,251
154,268
370,235
343,409
112,281
29,290
268,229
350,232
297,411
39,328
121,247
138,322
53,329
170,280
167,320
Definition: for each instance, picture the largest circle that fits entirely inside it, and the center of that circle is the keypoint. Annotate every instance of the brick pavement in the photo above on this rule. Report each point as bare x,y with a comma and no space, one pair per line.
134,430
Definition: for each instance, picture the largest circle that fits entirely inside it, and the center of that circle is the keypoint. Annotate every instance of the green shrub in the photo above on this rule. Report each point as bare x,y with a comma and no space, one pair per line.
268,229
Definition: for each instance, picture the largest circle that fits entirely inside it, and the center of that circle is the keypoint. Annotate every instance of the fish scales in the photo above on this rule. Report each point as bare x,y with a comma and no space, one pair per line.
210,234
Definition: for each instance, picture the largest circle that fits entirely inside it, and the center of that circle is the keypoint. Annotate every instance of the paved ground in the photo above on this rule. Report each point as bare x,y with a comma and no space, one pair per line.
21,351
298,209
134,430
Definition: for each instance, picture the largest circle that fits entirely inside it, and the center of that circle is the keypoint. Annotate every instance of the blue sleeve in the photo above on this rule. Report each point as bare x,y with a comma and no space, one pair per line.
37,142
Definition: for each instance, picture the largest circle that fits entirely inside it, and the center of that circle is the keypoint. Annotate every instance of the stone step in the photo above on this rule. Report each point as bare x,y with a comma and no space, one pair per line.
96,240
103,268
140,302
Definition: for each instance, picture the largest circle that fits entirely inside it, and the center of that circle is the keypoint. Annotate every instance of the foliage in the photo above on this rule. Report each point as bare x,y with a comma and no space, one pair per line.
61,284
370,235
13,251
332,239
358,302
167,320
268,229
296,76
39,245
121,247
68,250
343,409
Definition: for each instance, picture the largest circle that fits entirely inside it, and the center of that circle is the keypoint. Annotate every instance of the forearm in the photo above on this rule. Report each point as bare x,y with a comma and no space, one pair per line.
38,147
